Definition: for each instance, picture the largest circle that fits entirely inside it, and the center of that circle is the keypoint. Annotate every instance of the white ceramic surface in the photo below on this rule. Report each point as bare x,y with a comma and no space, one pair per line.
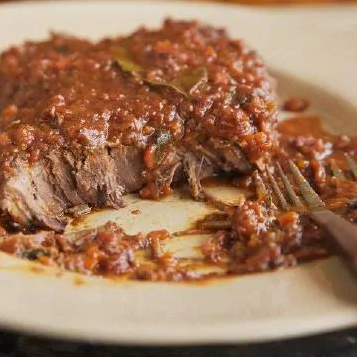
317,45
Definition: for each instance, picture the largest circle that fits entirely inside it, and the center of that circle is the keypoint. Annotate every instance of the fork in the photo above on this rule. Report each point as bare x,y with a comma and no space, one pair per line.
341,231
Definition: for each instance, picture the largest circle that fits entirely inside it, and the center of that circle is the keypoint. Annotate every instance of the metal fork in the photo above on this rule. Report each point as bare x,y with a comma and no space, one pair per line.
343,232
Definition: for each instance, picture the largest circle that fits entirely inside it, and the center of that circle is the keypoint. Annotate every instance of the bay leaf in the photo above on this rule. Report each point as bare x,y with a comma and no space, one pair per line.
124,61
184,84
188,82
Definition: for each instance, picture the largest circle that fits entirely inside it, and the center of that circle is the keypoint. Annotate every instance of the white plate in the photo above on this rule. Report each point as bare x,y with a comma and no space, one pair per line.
317,45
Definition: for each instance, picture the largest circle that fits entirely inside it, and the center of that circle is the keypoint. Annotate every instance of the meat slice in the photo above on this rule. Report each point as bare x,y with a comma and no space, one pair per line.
40,193
82,123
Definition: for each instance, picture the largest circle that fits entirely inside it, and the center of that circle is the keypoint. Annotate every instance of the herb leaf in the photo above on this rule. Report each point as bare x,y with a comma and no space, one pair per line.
163,138
34,254
184,84
124,61
189,82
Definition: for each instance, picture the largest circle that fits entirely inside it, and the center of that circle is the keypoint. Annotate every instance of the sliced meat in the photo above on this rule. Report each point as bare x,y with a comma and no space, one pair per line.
39,194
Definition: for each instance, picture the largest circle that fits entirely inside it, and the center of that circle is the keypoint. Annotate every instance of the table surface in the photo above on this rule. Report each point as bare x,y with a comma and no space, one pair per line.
337,344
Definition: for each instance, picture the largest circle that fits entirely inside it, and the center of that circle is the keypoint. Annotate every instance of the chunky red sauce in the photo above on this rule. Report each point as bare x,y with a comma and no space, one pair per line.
82,123
183,82
262,236
256,236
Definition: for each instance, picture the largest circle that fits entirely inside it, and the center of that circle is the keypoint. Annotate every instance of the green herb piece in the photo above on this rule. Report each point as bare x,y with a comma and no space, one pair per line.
124,61
62,49
163,138
33,254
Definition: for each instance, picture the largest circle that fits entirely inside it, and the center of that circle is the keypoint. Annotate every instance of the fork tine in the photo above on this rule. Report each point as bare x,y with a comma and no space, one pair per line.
337,172
352,165
261,189
289,188
284,204
310,196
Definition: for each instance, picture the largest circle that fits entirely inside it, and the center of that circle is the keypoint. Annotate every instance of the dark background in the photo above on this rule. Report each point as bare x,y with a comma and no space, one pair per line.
337,344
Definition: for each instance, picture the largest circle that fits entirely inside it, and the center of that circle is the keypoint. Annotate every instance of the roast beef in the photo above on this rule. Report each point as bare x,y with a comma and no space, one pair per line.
82,123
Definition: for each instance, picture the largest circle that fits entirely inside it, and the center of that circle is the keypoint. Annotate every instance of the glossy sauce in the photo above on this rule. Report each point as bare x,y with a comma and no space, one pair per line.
254,237
317,151
115,92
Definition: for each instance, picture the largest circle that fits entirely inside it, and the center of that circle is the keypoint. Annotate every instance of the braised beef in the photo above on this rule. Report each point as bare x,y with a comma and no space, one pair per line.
82,123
